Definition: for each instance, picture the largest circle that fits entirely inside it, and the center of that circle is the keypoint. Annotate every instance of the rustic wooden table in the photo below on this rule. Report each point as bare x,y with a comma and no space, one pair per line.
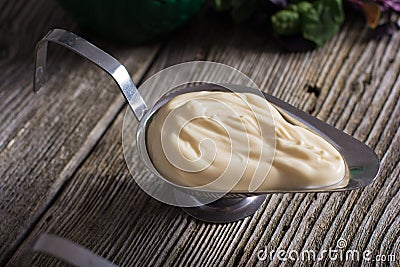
62,169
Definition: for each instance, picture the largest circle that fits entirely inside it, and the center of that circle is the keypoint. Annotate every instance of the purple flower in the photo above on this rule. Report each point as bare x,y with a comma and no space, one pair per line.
378,14
386,5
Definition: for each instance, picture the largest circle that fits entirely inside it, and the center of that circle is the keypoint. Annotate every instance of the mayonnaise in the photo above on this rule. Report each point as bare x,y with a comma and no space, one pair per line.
197,136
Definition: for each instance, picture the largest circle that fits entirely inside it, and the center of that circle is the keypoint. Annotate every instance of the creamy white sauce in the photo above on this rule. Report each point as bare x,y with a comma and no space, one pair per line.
177,147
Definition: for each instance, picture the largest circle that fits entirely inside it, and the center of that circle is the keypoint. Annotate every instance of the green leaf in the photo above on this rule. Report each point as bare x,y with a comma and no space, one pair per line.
319,20
330,18
286,22
320,33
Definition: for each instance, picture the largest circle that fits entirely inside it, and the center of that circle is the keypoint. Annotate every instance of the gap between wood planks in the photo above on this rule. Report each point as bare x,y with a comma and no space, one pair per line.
79,157
284,201
278,211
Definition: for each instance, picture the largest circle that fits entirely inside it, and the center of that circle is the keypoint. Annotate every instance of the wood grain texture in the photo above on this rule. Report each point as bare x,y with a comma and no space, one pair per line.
351,83
45,137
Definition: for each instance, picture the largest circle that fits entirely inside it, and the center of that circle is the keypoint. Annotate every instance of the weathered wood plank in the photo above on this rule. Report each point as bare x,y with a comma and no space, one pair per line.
351,84
45,137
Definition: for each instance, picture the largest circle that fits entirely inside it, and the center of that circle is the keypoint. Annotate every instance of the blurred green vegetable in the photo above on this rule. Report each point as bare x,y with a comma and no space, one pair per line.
240,10
317,21
132,21
286,22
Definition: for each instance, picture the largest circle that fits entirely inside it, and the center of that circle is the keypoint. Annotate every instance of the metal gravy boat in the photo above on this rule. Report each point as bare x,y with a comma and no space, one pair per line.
361,161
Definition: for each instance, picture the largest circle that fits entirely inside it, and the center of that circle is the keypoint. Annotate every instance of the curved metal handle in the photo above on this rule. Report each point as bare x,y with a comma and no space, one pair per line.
64,250
94,54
